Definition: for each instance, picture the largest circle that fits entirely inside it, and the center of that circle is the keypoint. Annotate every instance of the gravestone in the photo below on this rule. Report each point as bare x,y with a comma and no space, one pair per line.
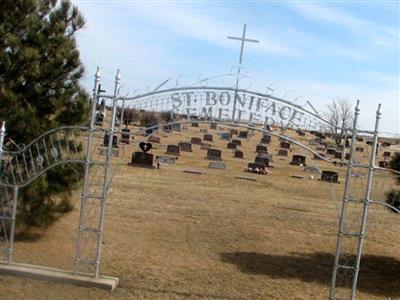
312,143
170,160
320,148
261,148
256,168
208,137
298,160
347,156
225,135
125,136
312,169
142,159
339,154
214,154
213,126
243,134
237,142
318,140
359,149
386,154
205,146
318,157
196,141
340,147
360,139
203,130
300,132
187,147
383,164
238,154
266,139
231,146
266,155
330,176
282,152
167,128
99,119
216,165
331,151
262,160
285,145
173,150
195,124
176,127
114,142
234,132
154,139
386,144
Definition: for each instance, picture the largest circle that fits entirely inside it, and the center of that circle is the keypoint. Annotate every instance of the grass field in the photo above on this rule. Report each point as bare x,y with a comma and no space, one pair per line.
174,235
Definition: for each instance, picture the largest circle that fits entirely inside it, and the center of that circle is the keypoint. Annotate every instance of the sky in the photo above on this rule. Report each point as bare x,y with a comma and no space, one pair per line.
315,51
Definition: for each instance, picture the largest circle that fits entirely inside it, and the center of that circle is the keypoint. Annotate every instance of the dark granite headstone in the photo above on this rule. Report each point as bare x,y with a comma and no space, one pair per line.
256,168
300,132
176,127
282,152
369,143
214,154
237,142
173,150
187,147
359,149
331,151
360,139
347,156
266,139
195,124
262,160
99,119
330,176
285,145
213,126
114,142
261,148
125,136
142,159
383,164
338,154
154,139
386,154
234,131
243,134
196,141
208,137
238,154
231,146
298,160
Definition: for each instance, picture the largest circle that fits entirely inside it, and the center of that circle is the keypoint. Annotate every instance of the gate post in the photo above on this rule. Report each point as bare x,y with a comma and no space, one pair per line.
371,172
345,200
12,227
88,162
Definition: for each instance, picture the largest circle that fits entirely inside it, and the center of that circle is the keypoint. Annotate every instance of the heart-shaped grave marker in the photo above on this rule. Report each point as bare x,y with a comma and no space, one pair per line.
145,146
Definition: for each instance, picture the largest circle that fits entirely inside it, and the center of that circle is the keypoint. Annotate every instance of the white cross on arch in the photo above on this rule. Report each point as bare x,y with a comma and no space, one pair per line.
243,39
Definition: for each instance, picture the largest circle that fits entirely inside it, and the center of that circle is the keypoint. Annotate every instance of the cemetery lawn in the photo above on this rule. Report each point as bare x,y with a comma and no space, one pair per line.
175,235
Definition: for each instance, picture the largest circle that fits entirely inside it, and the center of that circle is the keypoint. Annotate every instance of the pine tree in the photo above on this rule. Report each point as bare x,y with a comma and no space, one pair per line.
39,90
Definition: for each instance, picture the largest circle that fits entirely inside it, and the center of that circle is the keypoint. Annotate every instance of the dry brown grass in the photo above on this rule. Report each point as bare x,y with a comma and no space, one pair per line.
173,235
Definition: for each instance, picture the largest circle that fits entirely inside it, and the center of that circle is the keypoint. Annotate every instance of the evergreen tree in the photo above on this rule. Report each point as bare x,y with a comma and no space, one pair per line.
39,90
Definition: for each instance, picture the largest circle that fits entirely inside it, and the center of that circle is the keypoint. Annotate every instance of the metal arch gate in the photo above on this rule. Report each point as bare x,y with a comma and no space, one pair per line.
46,157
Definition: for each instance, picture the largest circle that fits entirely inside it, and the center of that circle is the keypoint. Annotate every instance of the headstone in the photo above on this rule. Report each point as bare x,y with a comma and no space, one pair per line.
196,141
238,154
300,132
266,155
173,150
125,136
237,142
312,143
216,165
225,135
243,134
167,128
282,152
142,159
170,160
256,168
386,144
214,154
338,154
386,154
262,160
266,139
114,142
187,147
208,137
285,145
331,151
340,147
176,127
298,160
234,132
261,148
195,124
203,130
154,139
231,146
360,139
347,156
99,119
213,126
330,176
383,164
359,149
318,140
318,157
312,169
205,146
